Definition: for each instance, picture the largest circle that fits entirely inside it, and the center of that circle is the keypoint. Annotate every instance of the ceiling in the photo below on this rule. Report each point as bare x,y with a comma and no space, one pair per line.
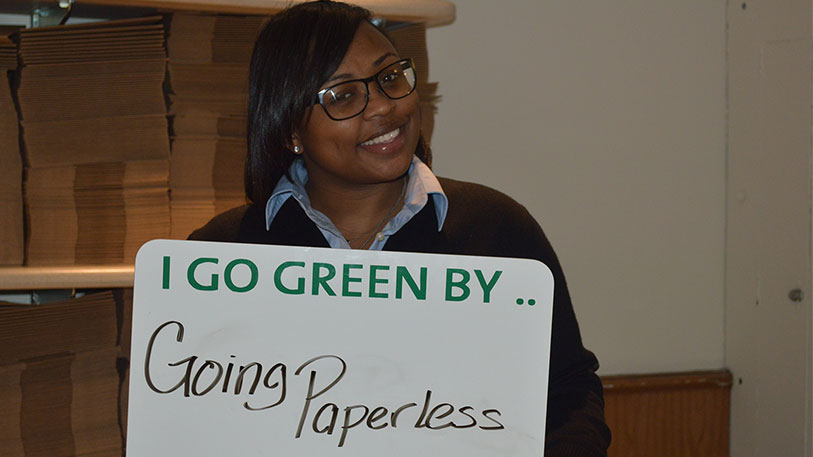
79,9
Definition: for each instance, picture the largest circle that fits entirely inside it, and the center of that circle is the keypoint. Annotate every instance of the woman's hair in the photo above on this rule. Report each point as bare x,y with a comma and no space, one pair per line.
296,51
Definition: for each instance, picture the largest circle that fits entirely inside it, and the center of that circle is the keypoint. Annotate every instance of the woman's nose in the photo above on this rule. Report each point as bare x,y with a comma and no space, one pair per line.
378,103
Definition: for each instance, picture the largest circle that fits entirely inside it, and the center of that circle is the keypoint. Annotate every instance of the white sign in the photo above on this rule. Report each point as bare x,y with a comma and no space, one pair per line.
253,350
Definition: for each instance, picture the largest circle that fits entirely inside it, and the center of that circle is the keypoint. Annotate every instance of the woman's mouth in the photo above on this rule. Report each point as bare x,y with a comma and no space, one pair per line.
385,138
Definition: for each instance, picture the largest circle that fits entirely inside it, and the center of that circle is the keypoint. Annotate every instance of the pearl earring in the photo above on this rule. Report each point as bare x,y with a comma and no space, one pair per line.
296,149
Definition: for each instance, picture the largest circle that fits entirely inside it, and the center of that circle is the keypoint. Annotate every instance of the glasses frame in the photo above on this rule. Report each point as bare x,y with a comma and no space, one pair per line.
410,64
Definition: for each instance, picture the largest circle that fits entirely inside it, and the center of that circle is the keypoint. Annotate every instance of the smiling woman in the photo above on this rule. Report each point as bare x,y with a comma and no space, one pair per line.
336,159
366,154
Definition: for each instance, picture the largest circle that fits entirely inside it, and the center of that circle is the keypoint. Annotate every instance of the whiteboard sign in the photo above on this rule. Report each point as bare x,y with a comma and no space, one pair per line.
254,350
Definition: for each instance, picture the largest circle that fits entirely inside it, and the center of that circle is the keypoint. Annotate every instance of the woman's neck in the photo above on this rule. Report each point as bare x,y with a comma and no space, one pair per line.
359,211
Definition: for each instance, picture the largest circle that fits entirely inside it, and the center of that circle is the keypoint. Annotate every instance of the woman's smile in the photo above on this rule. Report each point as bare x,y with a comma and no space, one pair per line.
388,143
385,138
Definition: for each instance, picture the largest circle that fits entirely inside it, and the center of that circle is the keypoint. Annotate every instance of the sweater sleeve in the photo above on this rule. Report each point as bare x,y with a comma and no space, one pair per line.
575,414
575,419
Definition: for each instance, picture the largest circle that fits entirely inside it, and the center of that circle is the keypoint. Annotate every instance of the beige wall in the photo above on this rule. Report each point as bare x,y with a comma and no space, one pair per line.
607,120
769,313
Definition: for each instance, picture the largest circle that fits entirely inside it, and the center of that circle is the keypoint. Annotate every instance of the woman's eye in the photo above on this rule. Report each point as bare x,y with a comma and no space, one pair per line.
391,77
341,96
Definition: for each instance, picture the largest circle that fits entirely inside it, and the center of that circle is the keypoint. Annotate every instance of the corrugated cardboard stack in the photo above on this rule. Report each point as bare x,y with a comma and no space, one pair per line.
59,382
410,40
96,140
209,57
11,164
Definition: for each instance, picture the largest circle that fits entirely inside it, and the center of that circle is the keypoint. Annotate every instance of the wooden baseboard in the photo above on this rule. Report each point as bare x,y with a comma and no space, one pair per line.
668,415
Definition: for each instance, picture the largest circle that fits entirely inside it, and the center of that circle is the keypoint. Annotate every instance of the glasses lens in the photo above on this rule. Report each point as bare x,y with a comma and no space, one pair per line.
345,99
397,80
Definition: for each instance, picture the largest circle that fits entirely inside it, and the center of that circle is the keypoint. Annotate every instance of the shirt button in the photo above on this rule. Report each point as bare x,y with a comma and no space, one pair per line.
380,236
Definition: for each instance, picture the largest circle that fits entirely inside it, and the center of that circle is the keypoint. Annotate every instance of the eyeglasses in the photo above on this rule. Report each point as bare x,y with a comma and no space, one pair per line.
349,98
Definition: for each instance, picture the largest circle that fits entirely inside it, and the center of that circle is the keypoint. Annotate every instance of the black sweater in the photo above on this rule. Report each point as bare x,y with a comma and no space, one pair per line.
483,222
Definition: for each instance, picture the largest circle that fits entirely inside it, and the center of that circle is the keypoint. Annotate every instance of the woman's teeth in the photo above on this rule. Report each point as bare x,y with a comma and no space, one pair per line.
385,138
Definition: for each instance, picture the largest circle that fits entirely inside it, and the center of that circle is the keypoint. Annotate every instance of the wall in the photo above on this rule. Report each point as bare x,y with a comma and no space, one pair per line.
607,121
768,326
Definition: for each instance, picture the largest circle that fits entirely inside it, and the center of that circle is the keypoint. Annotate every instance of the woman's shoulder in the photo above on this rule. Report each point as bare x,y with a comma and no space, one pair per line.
226,226
485,221
469,199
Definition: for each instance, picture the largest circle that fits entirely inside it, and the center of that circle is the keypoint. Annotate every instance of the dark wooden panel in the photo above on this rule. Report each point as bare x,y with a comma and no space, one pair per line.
668,415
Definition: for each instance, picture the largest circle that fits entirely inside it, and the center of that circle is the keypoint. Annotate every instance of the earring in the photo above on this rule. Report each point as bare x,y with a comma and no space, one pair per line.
297,149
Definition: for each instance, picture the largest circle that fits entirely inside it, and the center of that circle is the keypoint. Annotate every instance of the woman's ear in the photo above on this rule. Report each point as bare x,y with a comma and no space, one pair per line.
296,145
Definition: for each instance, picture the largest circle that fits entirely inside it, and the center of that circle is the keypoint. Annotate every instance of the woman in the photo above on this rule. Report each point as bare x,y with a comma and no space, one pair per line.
336,159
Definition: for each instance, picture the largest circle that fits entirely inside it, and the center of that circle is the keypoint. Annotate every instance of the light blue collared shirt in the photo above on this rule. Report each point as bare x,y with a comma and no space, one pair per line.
422,183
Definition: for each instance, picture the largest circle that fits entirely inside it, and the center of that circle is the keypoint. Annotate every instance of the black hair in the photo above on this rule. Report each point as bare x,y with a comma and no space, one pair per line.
296,51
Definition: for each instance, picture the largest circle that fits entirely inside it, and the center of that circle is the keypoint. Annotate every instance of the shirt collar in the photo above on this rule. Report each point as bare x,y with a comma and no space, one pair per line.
422,183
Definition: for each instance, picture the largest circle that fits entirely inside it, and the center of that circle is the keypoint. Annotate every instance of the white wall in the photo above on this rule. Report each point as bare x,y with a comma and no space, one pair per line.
607,120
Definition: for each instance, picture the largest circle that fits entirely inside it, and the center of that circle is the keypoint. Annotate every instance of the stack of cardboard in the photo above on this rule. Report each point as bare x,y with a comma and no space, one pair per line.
8,53
410,40
209,57
95,213
59,380
96,140
11,165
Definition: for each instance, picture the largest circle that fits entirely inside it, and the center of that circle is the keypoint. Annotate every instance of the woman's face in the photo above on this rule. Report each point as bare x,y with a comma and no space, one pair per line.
377,145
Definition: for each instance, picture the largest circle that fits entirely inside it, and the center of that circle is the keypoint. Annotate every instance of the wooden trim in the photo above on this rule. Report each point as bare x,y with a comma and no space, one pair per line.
666,381
431,12
67,277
